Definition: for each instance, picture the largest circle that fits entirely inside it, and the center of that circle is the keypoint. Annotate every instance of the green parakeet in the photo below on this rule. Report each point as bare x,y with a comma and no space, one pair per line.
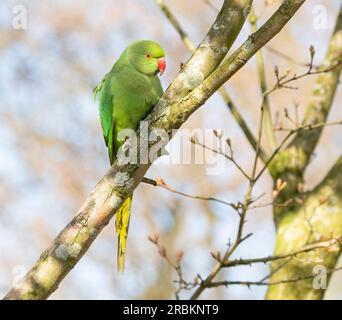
126,95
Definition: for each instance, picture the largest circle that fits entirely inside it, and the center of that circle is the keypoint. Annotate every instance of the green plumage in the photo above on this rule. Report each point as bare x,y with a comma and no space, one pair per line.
126,95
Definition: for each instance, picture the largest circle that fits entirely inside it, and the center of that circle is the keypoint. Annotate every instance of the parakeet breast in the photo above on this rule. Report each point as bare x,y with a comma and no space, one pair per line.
136,95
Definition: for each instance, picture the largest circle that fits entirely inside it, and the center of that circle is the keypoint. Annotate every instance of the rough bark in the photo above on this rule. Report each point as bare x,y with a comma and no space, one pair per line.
320,216
318,219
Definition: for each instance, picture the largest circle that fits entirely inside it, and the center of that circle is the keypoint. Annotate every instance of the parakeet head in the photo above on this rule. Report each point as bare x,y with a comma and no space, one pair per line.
148,57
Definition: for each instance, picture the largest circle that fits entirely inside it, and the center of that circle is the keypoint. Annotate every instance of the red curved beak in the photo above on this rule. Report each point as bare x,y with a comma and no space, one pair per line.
161,65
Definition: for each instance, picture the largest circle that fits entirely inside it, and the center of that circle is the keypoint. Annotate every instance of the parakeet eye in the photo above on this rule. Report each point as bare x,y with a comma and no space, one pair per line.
148,55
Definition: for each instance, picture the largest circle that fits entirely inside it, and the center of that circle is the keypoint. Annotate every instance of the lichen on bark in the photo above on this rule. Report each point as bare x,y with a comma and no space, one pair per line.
315,215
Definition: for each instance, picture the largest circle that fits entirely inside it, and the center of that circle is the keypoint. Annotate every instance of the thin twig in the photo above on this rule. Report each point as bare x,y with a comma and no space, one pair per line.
220,152
283,81
261,283
159,182
289,58
311,126
241,122
290,133
223,92
175,263
239,237
308,248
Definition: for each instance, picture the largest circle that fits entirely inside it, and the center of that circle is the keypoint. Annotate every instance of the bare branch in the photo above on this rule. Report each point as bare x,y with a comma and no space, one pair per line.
283,81
299,229
288,58
174,262
287,137
219,151
211,50
223,92
310,126
186,40
328,245
243,212
270,283
159,182
313,246
268,125
241,122
323,95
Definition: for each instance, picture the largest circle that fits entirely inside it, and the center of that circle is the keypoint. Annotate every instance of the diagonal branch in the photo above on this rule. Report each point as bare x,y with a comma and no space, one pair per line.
320,217
211,50
317,111
290,163
176,24
268,124
223,92
120,180
316,214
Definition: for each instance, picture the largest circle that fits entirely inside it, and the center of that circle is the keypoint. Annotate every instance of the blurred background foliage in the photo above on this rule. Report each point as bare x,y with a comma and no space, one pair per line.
52,151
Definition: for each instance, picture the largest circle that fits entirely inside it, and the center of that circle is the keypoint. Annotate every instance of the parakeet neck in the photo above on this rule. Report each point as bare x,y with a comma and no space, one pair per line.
121,63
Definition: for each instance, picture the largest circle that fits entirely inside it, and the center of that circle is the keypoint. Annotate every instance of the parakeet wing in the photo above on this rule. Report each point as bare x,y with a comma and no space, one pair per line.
106,105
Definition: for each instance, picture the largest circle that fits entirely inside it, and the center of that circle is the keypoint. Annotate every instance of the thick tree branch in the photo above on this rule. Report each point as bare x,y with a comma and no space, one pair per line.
223,92
320,217
121,180
240,230
241,122
211,50
316,215
323,95
290,164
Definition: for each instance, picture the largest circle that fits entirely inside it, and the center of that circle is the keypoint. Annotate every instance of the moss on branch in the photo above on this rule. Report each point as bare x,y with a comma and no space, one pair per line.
318,214
320,218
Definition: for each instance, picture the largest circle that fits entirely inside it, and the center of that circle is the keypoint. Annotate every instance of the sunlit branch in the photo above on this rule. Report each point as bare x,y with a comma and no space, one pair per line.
223,92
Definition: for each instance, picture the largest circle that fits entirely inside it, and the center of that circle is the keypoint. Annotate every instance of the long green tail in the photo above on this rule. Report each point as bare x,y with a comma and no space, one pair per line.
122,225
